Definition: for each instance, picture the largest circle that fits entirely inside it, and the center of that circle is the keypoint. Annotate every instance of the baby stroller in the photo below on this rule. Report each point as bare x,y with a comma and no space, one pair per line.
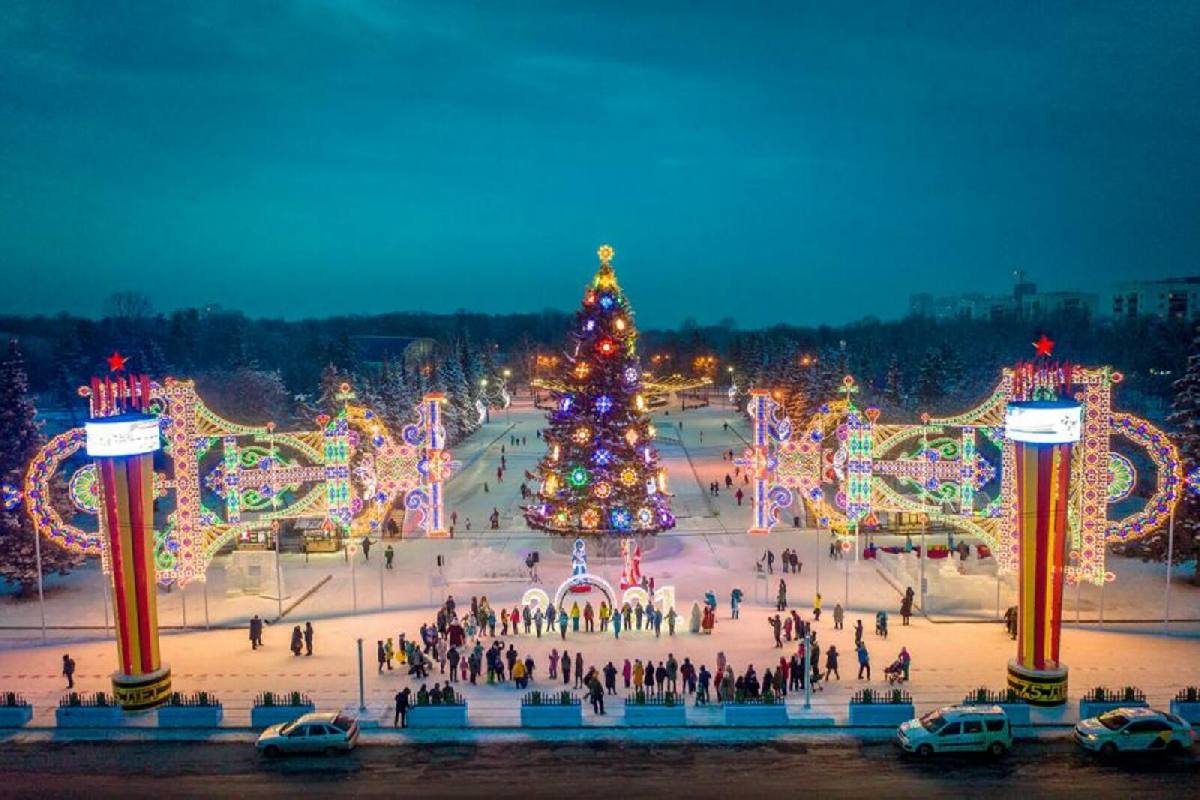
895,672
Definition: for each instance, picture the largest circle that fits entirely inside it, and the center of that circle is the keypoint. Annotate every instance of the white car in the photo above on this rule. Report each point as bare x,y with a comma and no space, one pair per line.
327,733
957,729
1134,729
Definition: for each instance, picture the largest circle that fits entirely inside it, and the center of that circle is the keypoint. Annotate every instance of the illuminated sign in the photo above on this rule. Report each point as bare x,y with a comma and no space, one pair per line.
122,436
1043,421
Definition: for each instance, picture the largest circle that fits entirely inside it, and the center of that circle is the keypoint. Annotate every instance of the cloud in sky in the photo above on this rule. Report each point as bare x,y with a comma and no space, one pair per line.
767,161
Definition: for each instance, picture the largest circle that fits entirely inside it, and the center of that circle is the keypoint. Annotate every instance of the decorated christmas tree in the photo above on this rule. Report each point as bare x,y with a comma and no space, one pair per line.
600,474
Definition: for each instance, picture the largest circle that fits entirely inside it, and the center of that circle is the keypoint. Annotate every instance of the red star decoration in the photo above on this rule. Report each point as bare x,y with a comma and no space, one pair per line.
1044,345
116,362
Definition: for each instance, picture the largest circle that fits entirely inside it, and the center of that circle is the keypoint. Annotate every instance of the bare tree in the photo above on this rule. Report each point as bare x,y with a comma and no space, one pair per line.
129,305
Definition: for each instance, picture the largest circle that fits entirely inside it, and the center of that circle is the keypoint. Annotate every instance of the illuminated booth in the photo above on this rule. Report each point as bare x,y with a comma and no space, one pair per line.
122,438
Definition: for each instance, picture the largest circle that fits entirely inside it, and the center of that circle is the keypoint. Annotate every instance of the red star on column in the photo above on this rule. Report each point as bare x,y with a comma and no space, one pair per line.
1044,345
116,362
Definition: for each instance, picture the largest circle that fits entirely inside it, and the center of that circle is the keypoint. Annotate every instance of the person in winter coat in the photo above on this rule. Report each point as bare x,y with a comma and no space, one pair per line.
831,663
688,673
694,625
605,615
575,615
553,671
651,676
610,678
578,669
539,619
308,638
858,633
616,625
905,661
563,621
452,657
864,661
671,617
702,680
565,663
639,675
735,602
817,607
519,674
402,702
839,616
256,631
380,655
627,613
672,673
627,673
658,620
551,617
595,694
638,613
527,618
491,623
781,596
776,624
589,617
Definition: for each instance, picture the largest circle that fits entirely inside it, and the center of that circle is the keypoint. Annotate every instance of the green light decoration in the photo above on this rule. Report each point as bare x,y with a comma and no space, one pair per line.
578,477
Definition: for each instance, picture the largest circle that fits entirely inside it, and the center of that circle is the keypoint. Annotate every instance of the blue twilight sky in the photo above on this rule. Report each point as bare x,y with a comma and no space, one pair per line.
791,161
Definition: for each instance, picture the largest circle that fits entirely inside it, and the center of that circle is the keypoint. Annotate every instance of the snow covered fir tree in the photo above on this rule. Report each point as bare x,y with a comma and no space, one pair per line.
601,473
22,438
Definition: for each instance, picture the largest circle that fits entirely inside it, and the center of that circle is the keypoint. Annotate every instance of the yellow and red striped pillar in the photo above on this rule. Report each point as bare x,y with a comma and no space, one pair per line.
1042,432
122,440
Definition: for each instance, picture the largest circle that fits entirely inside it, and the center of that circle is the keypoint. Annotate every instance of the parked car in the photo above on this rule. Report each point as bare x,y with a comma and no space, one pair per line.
957,729
318,732
1134,729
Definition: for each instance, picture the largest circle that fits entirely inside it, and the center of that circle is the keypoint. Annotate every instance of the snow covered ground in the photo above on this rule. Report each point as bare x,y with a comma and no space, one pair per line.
952,652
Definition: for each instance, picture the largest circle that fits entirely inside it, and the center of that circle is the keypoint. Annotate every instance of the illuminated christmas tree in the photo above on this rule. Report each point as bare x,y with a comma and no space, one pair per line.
600,474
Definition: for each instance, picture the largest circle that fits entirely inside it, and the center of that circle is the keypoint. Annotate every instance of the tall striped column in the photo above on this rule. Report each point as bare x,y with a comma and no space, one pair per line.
123,446
1043,432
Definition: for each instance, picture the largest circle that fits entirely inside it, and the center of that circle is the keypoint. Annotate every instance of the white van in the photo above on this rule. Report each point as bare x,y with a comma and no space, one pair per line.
957,729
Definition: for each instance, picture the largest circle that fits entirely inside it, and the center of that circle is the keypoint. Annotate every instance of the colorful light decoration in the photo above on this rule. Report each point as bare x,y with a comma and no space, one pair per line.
947,483
629,477
602,489
602,457
606,347
631,436
621,519
348,471
582,435
631,375
590,518
603,404
578,477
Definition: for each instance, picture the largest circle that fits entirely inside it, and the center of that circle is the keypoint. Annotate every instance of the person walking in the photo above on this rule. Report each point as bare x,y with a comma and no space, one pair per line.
839,615
68,670
402,698
905,662
735,603
578,669
388,555
776,624
366,548
858,633
380,655
596,693
553,671
389,654
864,661
781,597
563,621
627,672
308,637
817,608
906,605
256,631
832,662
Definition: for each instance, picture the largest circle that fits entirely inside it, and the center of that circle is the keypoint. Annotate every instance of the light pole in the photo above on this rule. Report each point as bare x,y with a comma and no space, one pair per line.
276,529
362,700
1170,557
37,551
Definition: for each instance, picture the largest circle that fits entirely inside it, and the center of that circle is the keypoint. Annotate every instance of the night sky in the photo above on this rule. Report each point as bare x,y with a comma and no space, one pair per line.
798,162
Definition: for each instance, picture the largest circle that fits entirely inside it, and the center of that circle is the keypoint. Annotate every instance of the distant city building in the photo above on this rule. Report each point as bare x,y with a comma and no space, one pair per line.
1166,299
1026,302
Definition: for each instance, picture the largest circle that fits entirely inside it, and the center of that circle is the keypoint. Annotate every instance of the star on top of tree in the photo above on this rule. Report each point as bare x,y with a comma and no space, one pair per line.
606,253
1044,345
116,362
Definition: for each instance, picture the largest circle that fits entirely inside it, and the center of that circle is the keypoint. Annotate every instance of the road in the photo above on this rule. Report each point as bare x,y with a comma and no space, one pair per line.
573,771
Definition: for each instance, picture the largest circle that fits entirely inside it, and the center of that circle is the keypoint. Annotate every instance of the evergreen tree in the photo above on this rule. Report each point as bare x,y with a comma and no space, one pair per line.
893,387
600,474
1185,422
929,379
21,436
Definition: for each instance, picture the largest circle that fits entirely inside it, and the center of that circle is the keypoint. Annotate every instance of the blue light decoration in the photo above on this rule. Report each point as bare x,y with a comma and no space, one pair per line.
621,519
602,457
564,404
604,404
1193,481
607,301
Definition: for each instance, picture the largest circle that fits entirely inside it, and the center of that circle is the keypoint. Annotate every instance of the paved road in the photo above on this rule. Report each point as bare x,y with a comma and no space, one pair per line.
574,771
